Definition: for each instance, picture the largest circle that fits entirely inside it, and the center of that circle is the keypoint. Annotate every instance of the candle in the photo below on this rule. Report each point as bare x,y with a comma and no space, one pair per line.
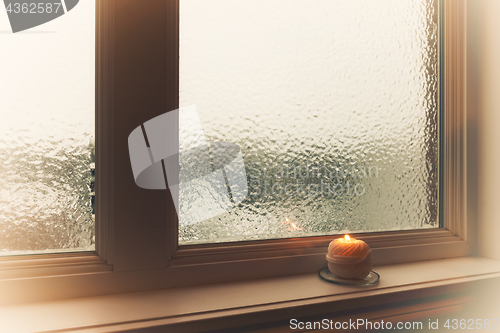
349,258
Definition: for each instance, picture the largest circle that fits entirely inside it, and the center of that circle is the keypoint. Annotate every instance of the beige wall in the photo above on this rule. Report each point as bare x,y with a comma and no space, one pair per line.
487,60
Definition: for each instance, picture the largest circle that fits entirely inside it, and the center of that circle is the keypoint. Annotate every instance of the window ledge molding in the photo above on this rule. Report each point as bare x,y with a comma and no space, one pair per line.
40,265
381,244
29,279
248,302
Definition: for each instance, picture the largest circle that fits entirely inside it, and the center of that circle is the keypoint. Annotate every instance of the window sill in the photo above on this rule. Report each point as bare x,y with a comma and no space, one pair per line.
255,300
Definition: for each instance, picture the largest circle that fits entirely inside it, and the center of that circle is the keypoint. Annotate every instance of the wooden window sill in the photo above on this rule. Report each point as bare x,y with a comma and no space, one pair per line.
252,298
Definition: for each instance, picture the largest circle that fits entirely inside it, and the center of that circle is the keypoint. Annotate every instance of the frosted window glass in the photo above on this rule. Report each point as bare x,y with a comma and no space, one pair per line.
46,134
317,93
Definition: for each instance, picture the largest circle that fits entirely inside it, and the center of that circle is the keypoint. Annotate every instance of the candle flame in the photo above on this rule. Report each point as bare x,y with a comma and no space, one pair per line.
347,238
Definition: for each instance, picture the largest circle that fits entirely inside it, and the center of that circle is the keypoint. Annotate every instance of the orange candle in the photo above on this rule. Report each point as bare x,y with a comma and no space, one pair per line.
349,258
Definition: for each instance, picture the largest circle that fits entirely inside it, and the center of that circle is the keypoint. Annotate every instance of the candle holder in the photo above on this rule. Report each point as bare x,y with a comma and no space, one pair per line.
370,280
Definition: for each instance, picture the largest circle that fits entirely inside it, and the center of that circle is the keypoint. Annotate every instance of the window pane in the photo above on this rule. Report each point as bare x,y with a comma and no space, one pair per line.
334,104
47,134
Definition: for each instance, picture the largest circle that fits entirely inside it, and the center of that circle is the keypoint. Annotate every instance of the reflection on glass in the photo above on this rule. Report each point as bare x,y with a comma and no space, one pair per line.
47,134
333,103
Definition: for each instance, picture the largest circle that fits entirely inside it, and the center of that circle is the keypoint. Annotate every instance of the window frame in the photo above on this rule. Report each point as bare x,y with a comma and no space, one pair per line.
456,238
136,80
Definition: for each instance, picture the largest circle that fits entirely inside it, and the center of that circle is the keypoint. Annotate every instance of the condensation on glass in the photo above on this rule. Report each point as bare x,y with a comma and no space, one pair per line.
47,86
334,104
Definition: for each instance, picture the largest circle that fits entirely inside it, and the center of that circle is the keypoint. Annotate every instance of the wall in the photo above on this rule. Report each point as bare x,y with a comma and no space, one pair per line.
483,21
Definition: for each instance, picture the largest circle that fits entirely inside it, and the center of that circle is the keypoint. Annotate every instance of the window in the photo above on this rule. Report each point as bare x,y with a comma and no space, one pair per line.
137,229
169,253
47,134
153,242
334,105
